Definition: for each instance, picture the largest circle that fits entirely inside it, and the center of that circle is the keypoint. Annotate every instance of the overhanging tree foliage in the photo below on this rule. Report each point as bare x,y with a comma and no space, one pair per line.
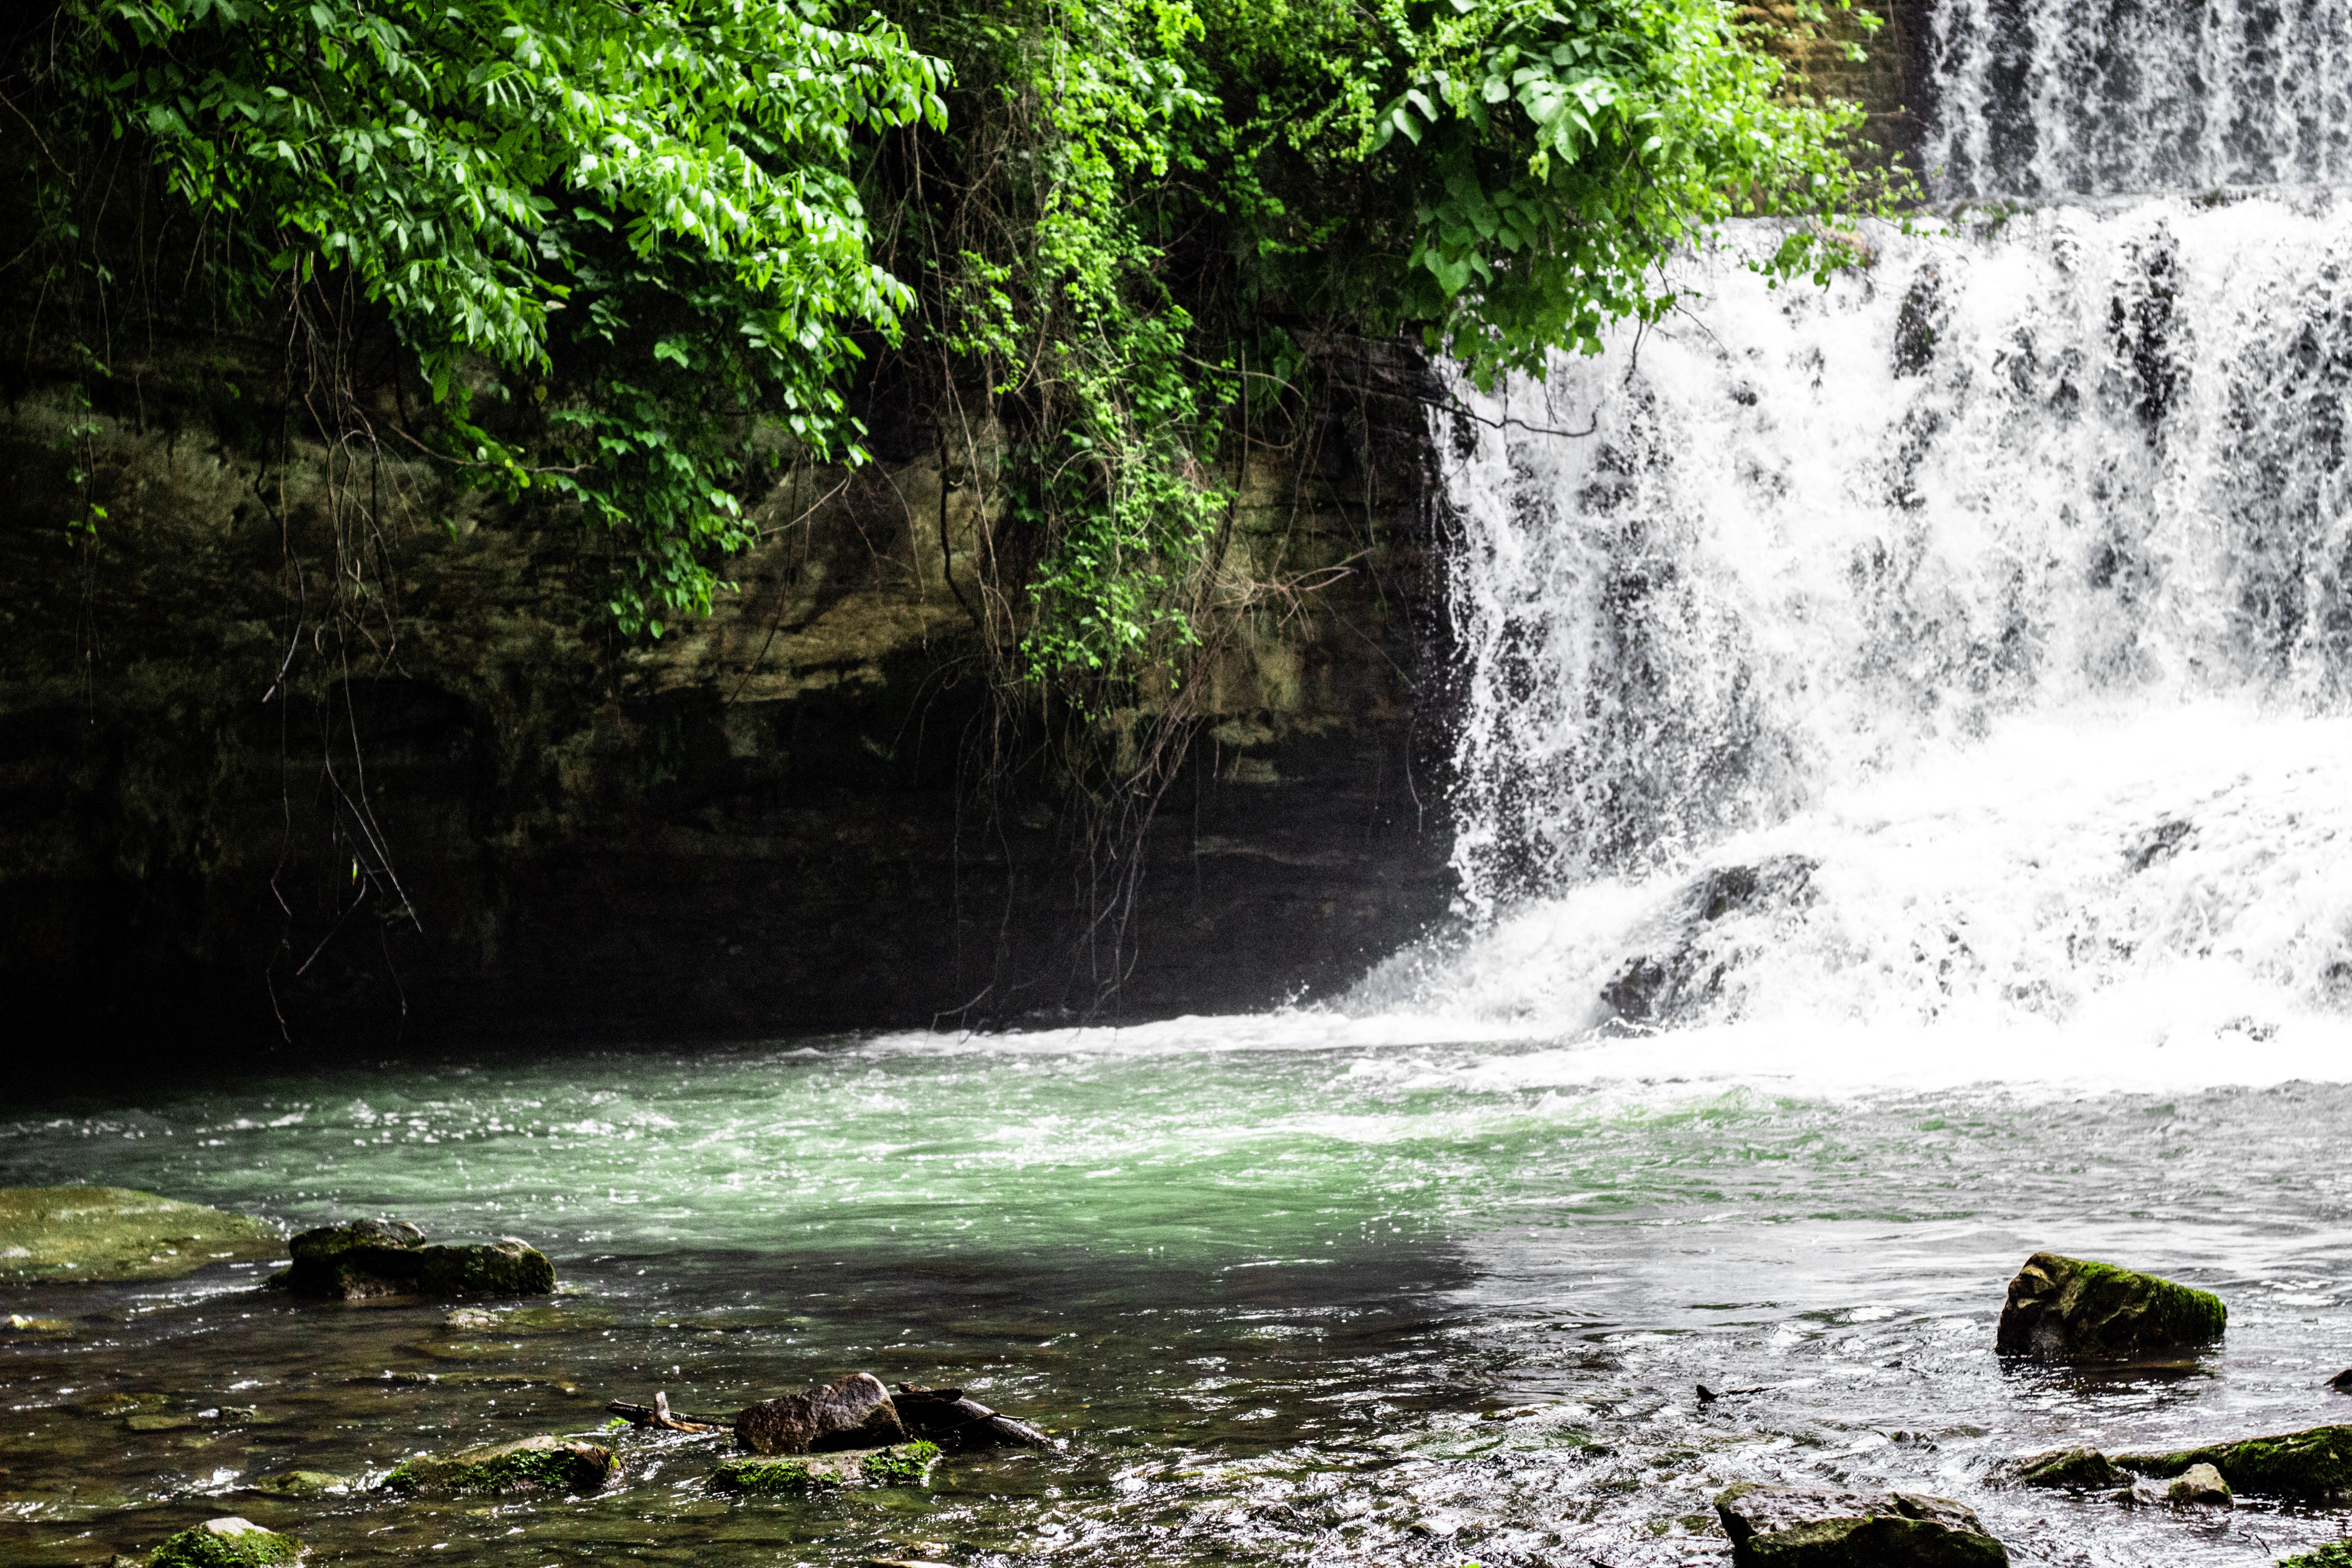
620,241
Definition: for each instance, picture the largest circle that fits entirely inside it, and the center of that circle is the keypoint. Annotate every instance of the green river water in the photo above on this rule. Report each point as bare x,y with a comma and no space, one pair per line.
1288,1290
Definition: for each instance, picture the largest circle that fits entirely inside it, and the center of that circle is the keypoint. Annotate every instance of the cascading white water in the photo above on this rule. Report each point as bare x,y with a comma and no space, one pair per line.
2037,98
1969,640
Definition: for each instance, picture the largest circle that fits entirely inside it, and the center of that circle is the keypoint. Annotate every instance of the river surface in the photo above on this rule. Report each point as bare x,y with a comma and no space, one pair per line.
1305,1288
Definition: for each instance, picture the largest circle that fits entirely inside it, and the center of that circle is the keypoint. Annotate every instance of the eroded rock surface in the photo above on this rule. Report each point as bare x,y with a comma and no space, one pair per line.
2068,1309
116,1232
1818,1527
855,1413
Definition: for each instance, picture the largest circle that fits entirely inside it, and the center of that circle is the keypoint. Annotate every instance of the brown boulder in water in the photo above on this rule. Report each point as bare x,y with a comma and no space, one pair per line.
855,1413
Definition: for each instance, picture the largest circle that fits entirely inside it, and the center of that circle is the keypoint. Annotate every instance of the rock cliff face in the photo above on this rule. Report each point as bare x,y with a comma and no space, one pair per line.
460,806
311,749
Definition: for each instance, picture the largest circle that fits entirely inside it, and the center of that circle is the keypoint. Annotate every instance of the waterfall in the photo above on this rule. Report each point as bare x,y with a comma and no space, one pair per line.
1972,637
2036,98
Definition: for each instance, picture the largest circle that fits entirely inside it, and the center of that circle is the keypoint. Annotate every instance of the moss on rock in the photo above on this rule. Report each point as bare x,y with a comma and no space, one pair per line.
1818,1527
534,1464
226,1543
769,1478
2313,1464
2069,1309
909,1465
117,1233
903,1465
2065,1467
2336,1556
389,1258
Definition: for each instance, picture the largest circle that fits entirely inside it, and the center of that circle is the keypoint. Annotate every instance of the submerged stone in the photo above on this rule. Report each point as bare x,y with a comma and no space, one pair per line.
2067,1308
855,1413
2199,1484
2313,1465
226,1543
907,1465
372,1258
2065,1467
1818,1527
298,1484
117,1233
535,1464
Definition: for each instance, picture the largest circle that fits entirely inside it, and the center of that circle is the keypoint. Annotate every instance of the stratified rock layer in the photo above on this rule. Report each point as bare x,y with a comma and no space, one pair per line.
2068,1309
1817,1527
115,1233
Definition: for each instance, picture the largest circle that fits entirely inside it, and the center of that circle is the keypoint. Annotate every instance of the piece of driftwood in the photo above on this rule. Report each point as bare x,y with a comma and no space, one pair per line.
659,1416
946,1417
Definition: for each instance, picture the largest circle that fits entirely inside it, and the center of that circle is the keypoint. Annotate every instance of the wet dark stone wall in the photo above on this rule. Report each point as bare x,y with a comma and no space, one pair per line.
454,806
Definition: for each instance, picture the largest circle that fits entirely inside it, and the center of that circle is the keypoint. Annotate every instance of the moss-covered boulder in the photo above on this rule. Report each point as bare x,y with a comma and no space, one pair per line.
2064,1468
116,1232
373,1258
2313,1465
533,1465
1817,1527
507,1266
2336,1556
226,1543
903,1465
2068,1309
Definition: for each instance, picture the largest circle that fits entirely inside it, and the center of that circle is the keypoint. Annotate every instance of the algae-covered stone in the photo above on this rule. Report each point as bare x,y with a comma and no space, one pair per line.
353,1262
116,1232
373,1258
2336,1556
2313,1465
2065,1467
758,1477
908,1465
2067,1308
2200,1485
298,1484
508,1267
904,1465
226,1543
534,1464
1817,1527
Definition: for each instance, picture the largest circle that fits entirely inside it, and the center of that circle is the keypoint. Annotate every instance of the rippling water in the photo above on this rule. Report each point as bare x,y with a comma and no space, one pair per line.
1290,1289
